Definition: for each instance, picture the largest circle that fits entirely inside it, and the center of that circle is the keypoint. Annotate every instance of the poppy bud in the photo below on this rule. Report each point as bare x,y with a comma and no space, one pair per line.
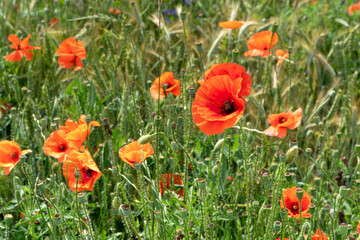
230,213
9,219
317,120
55,166
81,197
198,46
218,145
18,195
116,203
288,176
299,193
309,133
277,226
144,139
157,120
321,138
125,208
274,166
183,16
215,169
57,218
291,154
202,183
191,91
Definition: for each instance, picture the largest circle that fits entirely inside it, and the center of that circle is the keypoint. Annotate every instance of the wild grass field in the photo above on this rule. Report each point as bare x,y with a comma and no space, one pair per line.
179,119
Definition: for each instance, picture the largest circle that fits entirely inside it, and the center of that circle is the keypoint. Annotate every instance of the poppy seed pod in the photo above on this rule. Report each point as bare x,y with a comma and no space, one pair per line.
202,183
9,218
293,143
183,212
198,46
157,120
125,208
116,203
57,218
230,213
277,226
81,197
183,16
255,206
343,229
343,191
299,193
144,139
282,157
308,152
312,208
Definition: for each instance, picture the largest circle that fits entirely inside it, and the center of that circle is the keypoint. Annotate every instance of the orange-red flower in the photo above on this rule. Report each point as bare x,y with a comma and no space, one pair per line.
117,12
281,55
4,107
292,203
10,153
135,152
78,132
219,102
319,235
85,164
231,24
354,8
260,43
111,10
358,227
281,121
171,179
167,81
53,22
21,47
299,1
71,52
58,146
283,238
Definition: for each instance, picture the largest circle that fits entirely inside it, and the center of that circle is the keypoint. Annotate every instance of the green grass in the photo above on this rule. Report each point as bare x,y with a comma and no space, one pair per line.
125,53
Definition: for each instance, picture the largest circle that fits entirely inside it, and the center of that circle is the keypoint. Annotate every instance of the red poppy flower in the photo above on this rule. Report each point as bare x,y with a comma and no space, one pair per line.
53,22
219,102
58,146
111,10
10,153
171,179
165,80
354,8
71,52
117,12
78,132
21,47
358,227
260,43
281,55
5,107
85,164
231,24
135,152
319,235
292,203
283,238
280,122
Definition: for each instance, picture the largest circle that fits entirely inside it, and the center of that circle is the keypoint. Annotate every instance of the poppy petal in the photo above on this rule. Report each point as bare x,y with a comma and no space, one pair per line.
14,40
15,56
231,24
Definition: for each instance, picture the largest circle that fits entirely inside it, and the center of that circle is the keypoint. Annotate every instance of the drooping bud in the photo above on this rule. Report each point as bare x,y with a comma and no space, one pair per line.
144,139
219,145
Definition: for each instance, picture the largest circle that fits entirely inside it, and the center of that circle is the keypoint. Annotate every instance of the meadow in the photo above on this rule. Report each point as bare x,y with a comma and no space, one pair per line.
179,119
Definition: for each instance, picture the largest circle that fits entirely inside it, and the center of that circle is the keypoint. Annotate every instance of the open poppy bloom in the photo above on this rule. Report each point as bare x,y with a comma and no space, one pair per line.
292,203
58,146
231,24
78,132
167,81
71,52
10,153
219,102
53,22
281,55
358,227
282,121
171,179
319,235
21,47
85,164
354,8
4,107
260,44
135,152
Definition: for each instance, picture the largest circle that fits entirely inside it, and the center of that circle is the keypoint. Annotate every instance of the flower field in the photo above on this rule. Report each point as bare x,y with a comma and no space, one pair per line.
179,119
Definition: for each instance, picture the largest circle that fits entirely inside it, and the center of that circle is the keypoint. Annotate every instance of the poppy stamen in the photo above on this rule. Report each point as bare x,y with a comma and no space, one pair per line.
295,208
228,107
62,148
14,155
282,120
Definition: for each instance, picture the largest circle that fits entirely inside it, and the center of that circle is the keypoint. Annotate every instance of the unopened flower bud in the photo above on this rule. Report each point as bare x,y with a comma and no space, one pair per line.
291,154
116,203
219,145
144,139
55,166
309,133
77,174
343,191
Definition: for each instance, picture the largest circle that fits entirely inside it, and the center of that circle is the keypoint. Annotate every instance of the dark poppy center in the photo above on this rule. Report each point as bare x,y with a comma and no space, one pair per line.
62,148
228,107
282,120
86,174
14,156
265,48
295,208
